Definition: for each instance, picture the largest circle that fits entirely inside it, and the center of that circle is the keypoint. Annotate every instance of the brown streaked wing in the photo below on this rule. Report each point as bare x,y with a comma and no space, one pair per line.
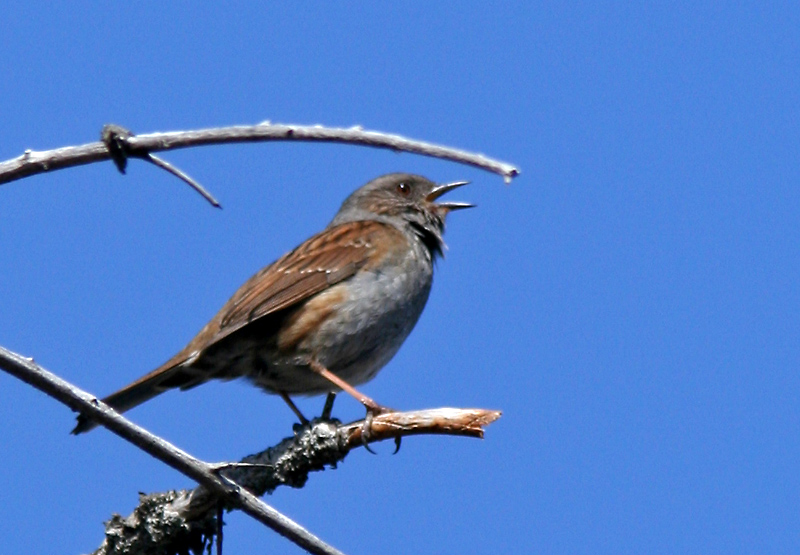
323,260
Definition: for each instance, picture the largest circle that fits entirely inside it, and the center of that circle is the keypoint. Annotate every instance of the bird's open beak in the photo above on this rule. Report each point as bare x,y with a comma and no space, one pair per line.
439,190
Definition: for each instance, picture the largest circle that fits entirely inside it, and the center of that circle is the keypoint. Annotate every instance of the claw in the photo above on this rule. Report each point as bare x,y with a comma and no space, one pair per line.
373,410
366,430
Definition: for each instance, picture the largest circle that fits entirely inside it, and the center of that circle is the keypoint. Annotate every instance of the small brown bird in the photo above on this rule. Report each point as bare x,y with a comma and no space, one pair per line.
327,315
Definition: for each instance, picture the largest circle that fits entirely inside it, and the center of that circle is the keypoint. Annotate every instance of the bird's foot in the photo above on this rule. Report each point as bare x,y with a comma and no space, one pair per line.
373,410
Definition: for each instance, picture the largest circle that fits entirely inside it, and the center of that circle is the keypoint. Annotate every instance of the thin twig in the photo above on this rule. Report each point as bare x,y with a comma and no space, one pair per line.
117,141
32,162
163,164
28,371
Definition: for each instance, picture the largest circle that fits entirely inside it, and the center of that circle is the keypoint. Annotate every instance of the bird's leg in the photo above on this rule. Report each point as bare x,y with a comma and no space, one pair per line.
373,408
328,408
288,400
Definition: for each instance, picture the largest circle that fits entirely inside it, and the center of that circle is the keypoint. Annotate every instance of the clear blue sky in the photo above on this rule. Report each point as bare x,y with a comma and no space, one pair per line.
630,302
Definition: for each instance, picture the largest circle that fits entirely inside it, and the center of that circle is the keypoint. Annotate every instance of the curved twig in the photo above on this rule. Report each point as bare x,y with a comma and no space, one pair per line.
33,162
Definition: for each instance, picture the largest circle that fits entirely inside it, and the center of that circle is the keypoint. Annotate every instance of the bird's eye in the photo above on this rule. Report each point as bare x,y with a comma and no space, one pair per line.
404,188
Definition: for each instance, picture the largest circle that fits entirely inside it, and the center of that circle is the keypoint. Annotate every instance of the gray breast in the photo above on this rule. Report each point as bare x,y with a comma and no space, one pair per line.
381,310
365,331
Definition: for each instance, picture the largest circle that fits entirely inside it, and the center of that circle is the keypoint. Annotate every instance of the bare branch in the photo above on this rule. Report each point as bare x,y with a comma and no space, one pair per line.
32,162
443,421
77,399
324,443
187,518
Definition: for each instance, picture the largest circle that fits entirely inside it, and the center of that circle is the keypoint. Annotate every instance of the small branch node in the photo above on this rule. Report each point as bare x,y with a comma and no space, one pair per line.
115,137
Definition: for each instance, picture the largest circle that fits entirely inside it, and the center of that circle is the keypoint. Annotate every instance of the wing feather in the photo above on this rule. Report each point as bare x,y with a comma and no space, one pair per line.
323,260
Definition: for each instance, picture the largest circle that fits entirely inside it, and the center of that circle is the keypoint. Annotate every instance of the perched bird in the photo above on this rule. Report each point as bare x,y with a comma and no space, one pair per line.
327,315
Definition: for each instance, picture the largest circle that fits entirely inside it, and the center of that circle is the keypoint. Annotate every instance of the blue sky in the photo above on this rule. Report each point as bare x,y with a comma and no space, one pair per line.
630,301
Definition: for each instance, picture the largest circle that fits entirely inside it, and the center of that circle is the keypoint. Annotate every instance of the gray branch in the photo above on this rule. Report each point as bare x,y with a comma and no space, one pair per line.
33,162
184,521
203,473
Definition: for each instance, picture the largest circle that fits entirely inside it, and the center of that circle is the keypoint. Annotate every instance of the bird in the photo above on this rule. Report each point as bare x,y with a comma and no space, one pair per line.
326,316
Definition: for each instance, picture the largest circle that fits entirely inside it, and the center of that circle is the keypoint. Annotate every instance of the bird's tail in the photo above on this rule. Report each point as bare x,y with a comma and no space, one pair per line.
155,383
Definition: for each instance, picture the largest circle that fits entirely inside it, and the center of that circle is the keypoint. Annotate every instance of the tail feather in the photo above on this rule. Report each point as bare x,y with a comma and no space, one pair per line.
153,384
